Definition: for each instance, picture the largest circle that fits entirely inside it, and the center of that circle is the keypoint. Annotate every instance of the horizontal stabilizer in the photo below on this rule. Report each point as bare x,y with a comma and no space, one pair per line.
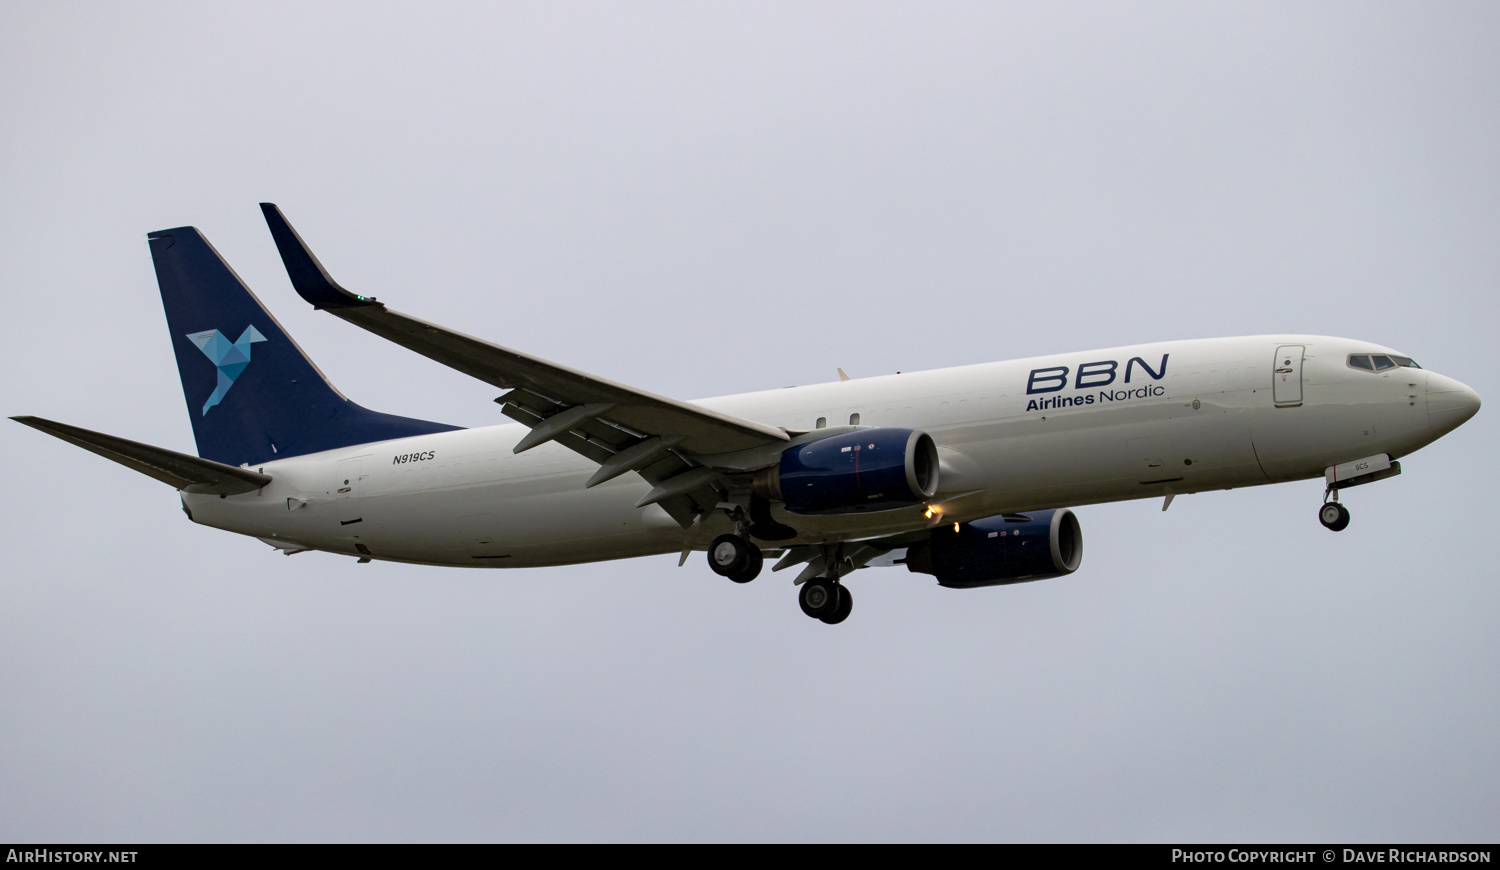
168,466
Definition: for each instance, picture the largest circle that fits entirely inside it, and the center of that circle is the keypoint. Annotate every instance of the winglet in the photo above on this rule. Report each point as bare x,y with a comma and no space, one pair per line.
310,279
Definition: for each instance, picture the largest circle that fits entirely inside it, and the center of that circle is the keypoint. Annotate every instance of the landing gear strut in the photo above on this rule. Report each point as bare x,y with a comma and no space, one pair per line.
736,558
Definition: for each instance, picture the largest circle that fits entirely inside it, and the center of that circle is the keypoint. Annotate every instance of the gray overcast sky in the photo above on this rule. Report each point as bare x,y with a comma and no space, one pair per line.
701,199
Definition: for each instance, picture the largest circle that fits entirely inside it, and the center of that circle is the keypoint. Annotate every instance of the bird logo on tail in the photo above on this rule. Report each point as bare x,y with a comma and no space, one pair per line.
229,359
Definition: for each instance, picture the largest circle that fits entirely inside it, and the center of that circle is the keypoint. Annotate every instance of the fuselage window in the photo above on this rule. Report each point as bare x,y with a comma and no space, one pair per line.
822,422
1360,361
853,419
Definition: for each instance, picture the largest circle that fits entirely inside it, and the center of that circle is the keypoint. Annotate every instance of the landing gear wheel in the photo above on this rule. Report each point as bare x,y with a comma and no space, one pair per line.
734,557
1334,516
841,613
751,569
819,597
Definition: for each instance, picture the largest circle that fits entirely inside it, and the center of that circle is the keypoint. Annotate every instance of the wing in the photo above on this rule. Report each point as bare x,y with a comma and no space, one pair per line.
682,450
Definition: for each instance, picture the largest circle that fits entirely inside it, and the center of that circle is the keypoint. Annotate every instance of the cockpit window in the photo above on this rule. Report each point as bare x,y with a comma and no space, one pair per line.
1379,362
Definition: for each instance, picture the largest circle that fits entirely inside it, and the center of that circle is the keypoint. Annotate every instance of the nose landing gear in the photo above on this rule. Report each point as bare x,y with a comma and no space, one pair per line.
1333,516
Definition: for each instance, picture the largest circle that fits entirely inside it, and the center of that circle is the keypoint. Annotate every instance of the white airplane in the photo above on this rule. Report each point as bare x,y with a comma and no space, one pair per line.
962,473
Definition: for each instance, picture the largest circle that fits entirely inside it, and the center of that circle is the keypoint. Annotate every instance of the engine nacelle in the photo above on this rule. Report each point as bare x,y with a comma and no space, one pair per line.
856,472
998,550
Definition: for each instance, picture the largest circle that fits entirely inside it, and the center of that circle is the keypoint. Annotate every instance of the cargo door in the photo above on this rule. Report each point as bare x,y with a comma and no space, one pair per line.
1286,377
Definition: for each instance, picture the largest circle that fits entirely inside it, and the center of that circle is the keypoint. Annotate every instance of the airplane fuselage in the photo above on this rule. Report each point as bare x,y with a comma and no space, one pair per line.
1065,430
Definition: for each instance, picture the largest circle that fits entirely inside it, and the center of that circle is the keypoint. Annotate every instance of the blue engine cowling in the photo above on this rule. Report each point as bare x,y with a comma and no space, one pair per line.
1012,548
856,472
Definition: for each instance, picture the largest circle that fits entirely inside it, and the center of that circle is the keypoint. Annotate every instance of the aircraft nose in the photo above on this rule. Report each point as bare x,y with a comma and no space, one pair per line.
1449,403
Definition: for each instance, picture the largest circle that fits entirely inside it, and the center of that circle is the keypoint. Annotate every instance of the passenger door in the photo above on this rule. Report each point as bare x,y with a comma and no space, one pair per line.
1286,377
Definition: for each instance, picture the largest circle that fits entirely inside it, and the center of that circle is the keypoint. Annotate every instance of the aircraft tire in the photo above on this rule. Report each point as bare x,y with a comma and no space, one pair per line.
729,555
841,613
1334,516
752,566
818,597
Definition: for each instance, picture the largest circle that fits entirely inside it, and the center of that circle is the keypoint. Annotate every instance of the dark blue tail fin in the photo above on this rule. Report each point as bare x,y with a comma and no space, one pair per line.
253,395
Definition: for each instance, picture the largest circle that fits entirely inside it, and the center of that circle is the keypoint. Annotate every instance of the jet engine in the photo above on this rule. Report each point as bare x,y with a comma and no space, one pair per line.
994,551
856,472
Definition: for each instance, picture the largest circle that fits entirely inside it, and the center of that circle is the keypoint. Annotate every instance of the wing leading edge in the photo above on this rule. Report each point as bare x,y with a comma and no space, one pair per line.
672,444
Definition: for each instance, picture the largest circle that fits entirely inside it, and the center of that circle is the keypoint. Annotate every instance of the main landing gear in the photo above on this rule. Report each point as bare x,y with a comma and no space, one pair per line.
826,599
736,558
822,597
